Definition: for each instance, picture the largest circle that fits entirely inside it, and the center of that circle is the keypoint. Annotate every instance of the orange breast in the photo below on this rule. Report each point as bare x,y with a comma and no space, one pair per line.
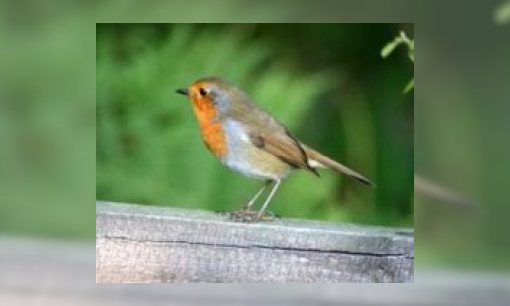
212,132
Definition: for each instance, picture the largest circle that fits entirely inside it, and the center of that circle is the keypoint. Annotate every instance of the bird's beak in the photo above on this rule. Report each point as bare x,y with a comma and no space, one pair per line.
182,91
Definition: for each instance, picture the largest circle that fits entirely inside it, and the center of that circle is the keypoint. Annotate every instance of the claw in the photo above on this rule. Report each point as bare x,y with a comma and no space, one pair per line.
248,215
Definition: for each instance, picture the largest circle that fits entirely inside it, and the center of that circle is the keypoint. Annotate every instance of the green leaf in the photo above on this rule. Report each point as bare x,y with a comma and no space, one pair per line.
410,86
388,49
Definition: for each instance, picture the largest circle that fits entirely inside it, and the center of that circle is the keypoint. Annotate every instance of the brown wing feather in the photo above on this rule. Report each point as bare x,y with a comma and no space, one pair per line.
285,147
270,135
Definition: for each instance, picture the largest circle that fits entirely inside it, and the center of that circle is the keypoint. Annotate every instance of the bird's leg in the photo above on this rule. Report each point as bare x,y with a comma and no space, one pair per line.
246,214
250,203
260,215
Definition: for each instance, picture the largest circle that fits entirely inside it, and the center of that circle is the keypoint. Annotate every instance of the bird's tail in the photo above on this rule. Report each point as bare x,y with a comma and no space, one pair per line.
316,159
438,192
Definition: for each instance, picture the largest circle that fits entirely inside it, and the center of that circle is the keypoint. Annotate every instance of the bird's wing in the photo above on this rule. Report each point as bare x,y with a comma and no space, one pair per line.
266,133
284,146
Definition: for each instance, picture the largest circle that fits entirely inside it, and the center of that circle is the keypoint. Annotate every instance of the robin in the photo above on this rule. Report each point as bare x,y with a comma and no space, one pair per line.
247,139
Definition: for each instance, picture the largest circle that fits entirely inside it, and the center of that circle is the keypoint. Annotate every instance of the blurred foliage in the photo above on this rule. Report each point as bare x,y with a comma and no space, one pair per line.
47,123
502,14
324,82
47,117
402,39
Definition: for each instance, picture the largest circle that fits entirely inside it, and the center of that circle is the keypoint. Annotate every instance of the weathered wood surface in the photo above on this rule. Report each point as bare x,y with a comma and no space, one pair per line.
61,273
154,244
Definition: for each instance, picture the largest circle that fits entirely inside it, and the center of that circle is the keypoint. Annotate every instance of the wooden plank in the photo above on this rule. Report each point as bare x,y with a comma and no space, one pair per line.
153,244
43,272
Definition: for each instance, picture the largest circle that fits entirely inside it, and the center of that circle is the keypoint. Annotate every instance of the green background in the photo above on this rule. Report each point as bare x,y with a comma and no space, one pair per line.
49,122
327,83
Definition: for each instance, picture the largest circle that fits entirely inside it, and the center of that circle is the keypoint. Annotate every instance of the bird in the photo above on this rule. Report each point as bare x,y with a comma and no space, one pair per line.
248,140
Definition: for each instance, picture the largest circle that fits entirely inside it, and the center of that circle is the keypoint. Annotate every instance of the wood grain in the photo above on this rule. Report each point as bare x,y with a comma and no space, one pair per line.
145,244
44,272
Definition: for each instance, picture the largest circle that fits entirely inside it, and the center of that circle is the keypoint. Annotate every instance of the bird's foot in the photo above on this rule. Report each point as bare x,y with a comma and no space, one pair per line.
247,215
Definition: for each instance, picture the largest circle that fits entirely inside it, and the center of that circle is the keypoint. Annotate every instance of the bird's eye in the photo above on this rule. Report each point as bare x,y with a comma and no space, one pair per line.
202,92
